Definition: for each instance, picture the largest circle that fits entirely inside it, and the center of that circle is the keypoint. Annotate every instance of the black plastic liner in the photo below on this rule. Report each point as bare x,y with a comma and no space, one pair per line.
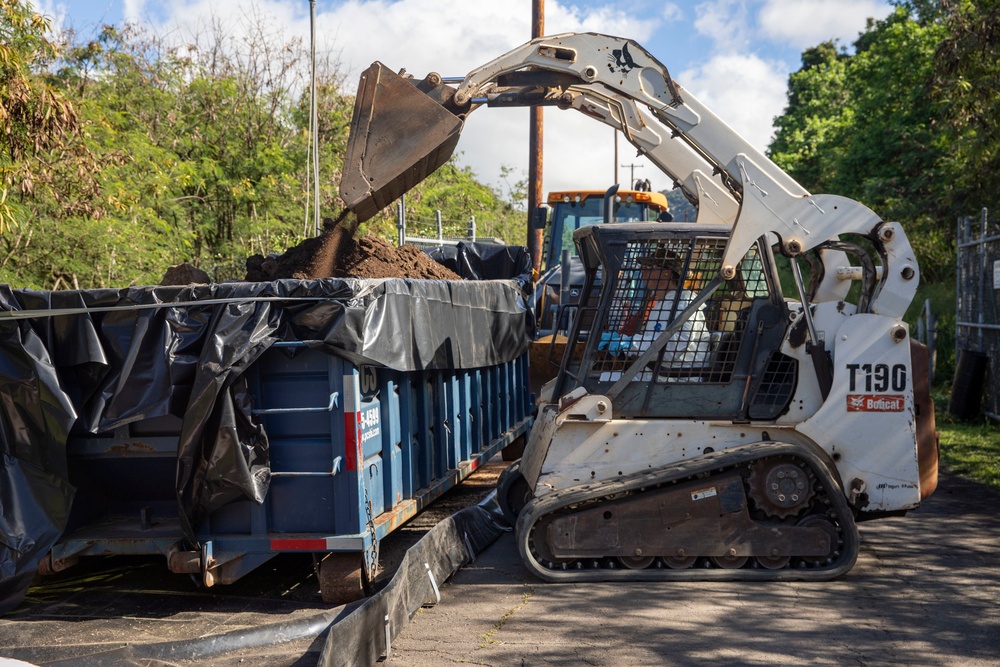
365,636
198,651
356,631
92,360
484,261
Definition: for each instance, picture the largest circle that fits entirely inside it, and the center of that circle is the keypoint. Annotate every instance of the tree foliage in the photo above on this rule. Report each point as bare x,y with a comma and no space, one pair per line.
817,115
967,80
170,152
34,117
907,123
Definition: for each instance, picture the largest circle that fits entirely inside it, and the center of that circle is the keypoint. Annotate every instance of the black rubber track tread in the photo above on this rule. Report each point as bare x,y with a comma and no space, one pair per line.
817,459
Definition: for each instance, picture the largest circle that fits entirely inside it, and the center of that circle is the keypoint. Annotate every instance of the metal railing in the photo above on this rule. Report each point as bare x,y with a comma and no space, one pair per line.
405,228
927,334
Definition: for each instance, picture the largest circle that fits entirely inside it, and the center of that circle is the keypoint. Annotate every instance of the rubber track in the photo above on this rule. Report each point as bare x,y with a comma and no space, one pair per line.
721,461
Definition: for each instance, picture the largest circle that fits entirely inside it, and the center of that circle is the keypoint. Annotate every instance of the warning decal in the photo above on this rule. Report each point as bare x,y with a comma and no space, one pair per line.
703,493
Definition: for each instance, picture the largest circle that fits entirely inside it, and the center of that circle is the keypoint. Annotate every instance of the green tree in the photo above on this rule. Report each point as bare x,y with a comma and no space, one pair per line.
967,81
867,126
459,196
197,162
891,156
807,133
33,116
191,153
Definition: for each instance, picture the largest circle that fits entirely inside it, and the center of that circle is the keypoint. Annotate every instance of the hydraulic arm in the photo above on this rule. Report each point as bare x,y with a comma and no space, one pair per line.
403,130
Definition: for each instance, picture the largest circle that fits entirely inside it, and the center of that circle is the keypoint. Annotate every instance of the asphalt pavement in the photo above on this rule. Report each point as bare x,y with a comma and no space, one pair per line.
925,591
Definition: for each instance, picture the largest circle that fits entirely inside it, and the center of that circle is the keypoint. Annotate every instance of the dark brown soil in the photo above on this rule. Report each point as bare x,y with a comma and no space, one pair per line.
336,253
185,274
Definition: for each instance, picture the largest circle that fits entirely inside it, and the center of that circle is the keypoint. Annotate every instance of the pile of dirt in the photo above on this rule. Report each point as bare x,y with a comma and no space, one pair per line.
185,274
336,253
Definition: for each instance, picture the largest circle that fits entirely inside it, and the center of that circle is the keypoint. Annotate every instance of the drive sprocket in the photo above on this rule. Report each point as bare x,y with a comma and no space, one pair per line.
779,487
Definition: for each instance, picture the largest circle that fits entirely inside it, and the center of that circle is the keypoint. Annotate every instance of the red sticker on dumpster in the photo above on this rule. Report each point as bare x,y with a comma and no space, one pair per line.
875,403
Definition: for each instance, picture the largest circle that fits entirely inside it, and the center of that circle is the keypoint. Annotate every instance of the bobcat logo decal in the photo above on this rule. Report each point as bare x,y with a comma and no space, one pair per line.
621,60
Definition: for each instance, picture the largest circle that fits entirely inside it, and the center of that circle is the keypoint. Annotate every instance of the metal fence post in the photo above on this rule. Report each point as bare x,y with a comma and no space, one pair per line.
958,284
982,273
401,220
440,226
472,228
977,301
930,324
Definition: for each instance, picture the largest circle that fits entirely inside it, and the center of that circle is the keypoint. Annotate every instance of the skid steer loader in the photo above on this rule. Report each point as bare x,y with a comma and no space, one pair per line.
702,424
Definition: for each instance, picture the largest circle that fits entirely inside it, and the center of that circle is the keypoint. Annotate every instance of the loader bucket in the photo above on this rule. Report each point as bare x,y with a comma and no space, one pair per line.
400,133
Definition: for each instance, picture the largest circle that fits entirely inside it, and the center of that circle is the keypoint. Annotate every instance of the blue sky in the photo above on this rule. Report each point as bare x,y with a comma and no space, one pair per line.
734,55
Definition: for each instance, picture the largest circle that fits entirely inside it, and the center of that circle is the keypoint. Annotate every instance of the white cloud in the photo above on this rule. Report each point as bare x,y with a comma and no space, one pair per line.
424,36
134,10
671,11
452,37
446,36
725,22
746,92
578,151
804,23
355,28
606,19
56,12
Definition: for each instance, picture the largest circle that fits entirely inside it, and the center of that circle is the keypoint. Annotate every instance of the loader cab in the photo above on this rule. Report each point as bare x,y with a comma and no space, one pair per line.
571,210
717,360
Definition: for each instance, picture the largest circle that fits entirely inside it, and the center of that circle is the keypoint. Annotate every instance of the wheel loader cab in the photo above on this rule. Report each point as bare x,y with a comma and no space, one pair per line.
722,362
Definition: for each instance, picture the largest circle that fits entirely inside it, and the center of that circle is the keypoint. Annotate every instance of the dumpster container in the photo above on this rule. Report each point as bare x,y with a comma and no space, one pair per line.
221,425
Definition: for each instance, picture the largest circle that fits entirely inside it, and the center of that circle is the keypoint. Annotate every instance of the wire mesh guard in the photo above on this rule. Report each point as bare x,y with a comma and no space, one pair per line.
656,284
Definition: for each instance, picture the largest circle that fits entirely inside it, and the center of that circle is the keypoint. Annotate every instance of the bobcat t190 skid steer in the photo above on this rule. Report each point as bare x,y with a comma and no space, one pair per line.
702,425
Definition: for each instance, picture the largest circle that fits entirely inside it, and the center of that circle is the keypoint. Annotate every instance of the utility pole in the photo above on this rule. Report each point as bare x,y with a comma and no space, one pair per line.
631,178
535,236
314,115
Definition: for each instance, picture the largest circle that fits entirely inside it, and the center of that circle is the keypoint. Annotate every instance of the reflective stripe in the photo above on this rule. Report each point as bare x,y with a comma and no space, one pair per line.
352,423
306,544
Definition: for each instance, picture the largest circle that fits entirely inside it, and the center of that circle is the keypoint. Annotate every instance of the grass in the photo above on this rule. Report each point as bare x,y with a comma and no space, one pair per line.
488,638
970,449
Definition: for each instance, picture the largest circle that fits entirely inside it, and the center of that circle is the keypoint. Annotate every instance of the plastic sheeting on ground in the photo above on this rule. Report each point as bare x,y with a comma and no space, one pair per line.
366,634
93,360
356,631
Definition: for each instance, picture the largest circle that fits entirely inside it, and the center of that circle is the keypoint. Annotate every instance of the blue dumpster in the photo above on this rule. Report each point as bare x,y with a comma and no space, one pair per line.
221,425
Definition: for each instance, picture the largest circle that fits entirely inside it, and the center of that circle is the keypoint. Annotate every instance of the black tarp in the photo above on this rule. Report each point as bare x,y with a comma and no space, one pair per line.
92,360
365,635
484,261
355,632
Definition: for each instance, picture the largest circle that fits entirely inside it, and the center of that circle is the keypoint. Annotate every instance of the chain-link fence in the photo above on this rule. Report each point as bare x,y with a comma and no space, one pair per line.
977,332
